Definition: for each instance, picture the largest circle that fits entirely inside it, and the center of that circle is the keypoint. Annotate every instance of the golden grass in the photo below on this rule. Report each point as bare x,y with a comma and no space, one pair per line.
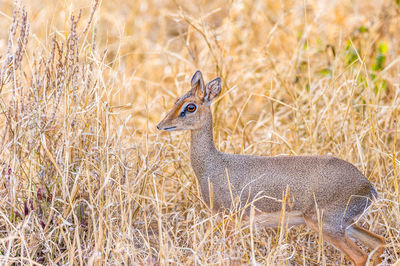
86,177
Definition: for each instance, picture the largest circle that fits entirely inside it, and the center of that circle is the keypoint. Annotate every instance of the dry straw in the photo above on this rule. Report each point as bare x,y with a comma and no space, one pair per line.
85,176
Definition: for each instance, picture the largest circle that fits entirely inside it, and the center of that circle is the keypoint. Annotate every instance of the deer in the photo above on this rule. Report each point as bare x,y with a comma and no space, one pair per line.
317,184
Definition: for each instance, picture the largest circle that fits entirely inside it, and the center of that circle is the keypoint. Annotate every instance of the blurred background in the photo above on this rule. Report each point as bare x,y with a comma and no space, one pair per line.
87,178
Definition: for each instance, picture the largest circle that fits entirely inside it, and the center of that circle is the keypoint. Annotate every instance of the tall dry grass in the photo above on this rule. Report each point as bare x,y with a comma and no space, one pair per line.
87,179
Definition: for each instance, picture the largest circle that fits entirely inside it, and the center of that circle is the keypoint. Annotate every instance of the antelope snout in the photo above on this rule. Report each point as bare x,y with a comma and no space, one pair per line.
161,126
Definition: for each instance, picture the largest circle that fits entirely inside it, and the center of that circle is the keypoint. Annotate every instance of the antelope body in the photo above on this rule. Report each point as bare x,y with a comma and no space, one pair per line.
324,183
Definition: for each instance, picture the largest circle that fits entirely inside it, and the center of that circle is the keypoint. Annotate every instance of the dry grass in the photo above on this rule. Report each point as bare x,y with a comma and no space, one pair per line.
86,178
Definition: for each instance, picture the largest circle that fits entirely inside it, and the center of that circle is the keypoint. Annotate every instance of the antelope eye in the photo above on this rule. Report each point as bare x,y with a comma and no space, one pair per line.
191,108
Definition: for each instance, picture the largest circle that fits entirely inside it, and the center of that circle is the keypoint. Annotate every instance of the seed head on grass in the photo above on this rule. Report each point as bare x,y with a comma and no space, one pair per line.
85,176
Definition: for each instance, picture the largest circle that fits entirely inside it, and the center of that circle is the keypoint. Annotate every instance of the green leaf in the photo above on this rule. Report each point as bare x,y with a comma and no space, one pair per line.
380,57
380,85
325,72
351,53
363,29
383,47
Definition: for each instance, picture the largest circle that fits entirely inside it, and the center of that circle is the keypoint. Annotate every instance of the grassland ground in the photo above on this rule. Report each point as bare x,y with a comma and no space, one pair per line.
86,178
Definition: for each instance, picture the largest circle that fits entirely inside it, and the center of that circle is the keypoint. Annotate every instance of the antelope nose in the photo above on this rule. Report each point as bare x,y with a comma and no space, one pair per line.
158,127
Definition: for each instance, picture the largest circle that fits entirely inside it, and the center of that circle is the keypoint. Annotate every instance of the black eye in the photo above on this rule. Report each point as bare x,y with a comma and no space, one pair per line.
191,108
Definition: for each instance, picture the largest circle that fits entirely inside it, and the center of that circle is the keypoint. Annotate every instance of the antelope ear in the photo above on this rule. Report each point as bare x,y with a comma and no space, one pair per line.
198,84
213,89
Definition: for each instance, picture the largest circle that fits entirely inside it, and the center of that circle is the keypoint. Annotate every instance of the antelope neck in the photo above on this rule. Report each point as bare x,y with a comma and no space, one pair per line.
202,141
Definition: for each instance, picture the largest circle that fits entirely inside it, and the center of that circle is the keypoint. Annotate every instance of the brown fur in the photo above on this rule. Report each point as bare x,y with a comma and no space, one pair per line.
316,184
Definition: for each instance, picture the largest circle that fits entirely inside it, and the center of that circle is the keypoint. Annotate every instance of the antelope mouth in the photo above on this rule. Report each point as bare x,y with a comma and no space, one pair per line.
169,128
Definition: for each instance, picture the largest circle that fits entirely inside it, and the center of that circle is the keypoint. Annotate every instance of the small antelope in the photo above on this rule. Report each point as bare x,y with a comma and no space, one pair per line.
317,184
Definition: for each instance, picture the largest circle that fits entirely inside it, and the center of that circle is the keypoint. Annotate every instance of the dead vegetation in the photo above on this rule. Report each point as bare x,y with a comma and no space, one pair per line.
86,177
